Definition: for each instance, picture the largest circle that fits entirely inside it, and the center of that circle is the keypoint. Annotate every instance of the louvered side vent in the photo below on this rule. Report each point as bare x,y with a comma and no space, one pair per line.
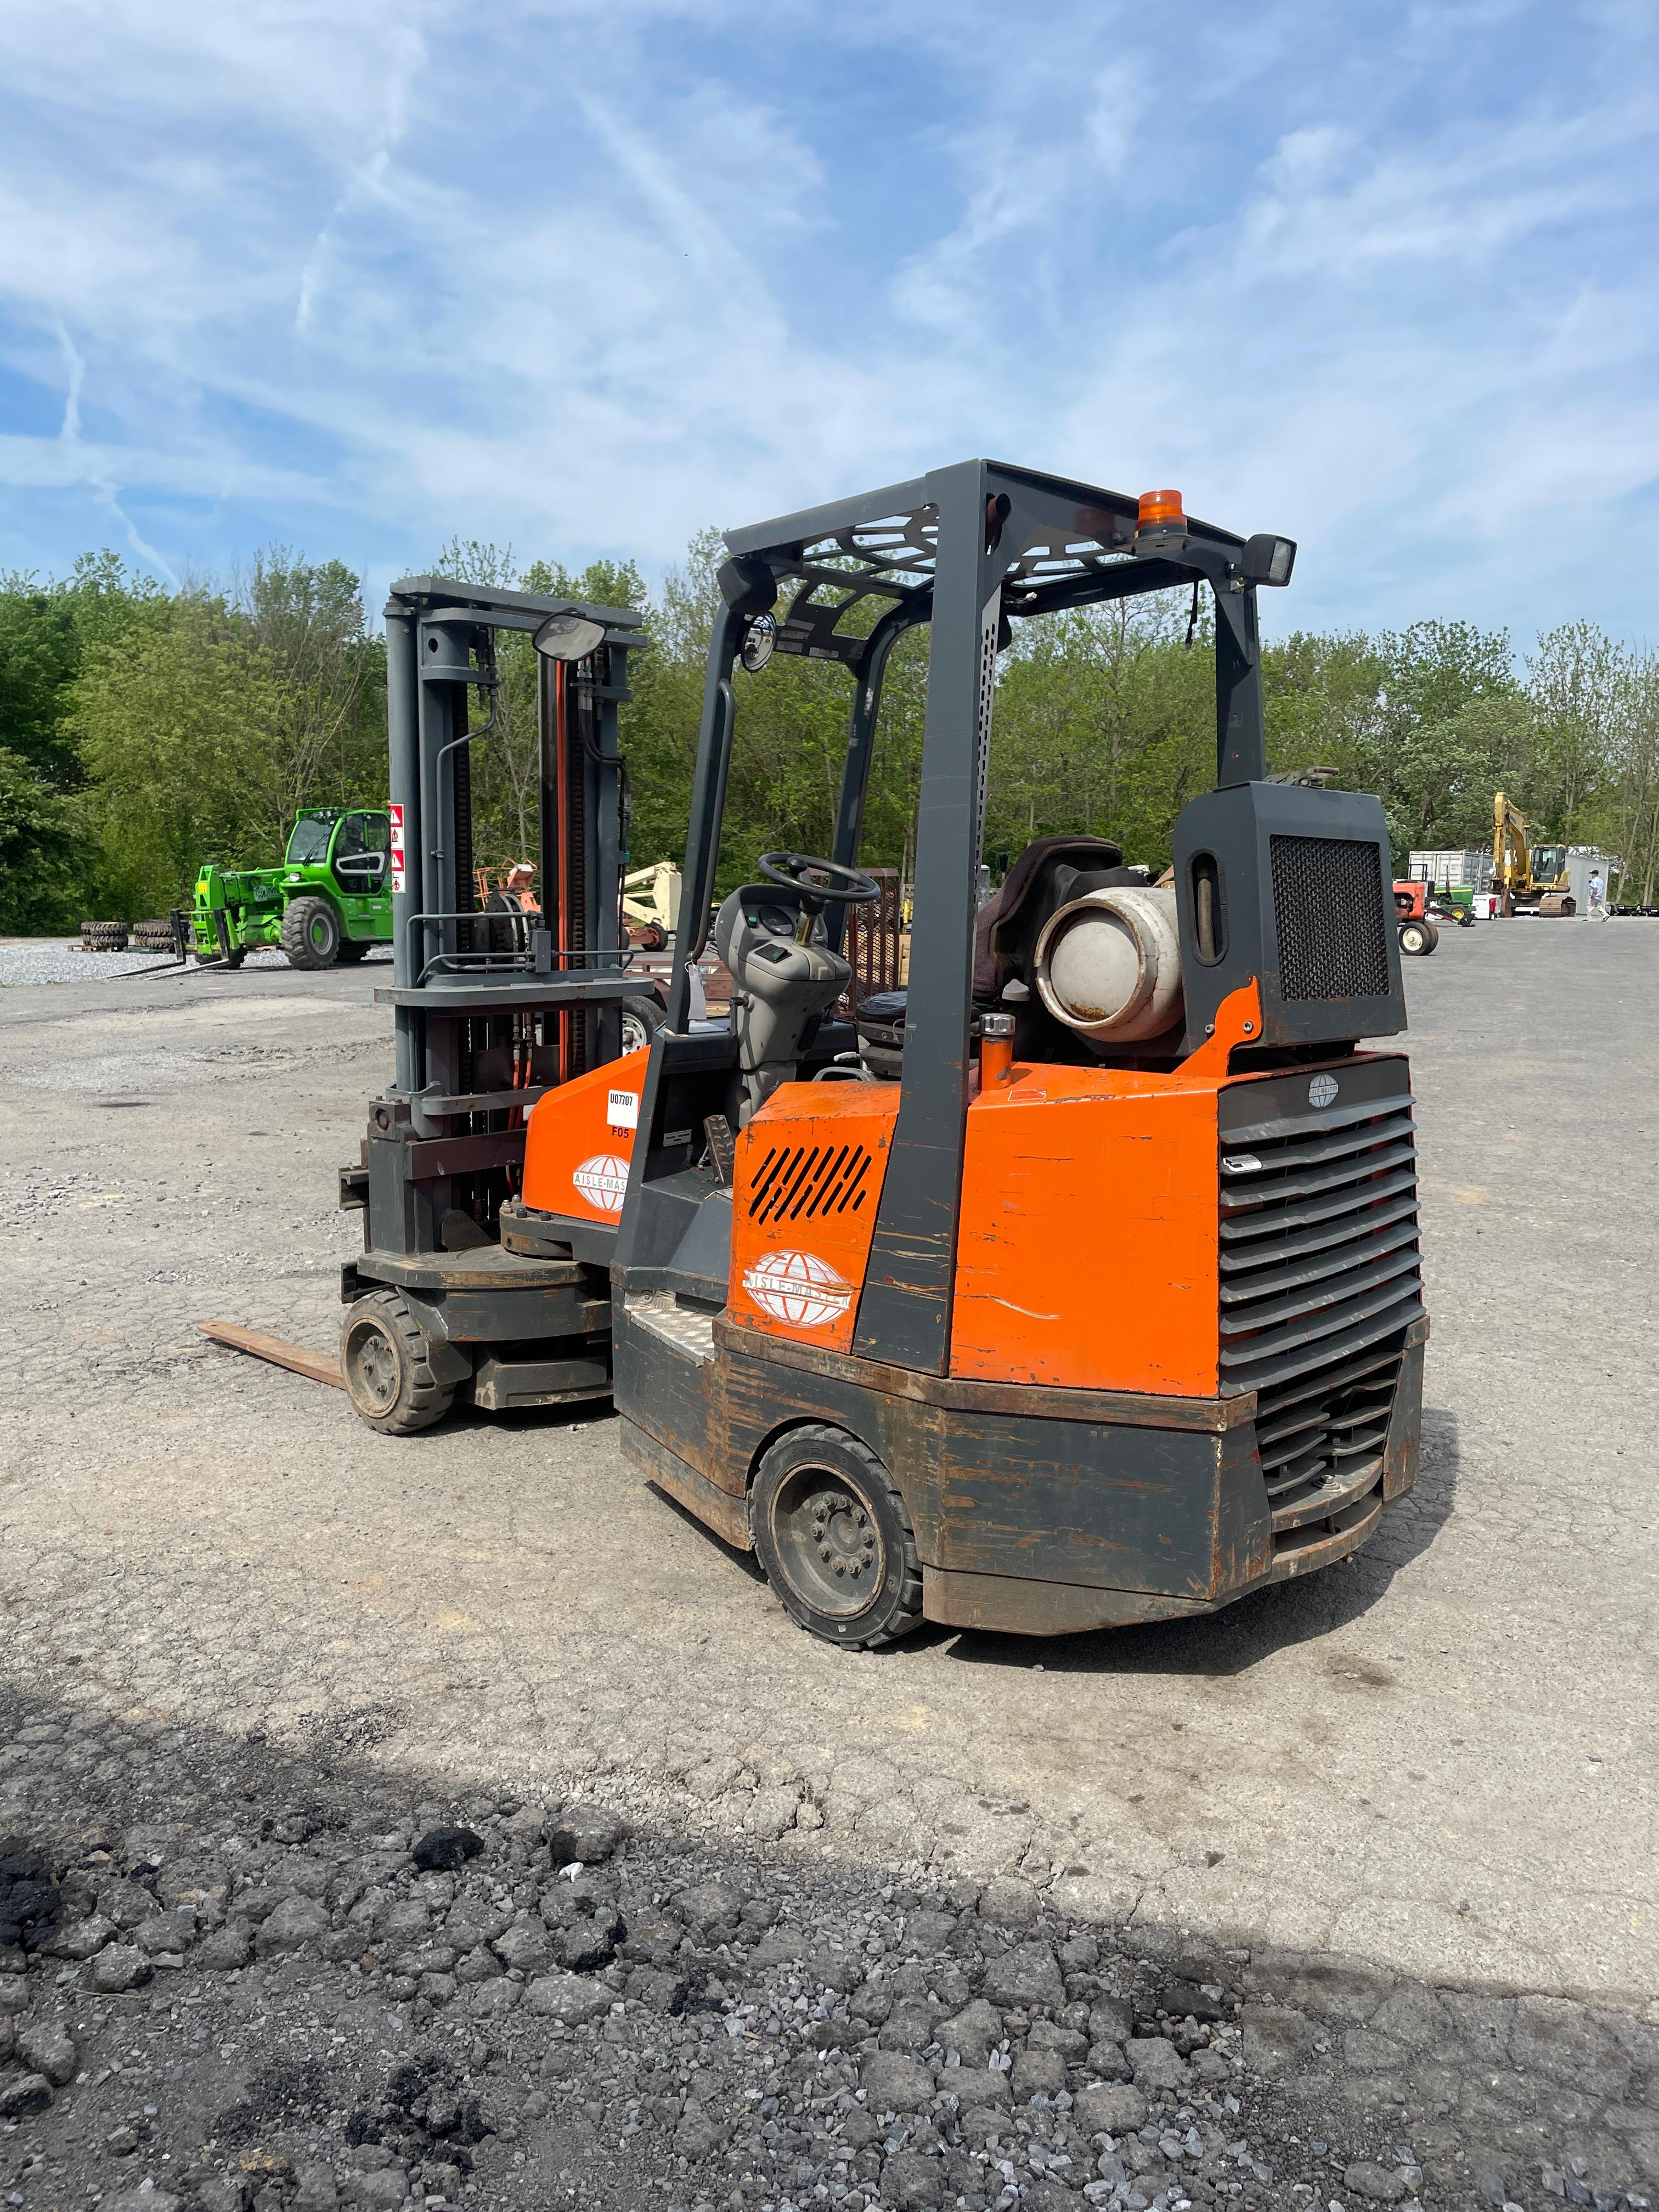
1321,1438
795,1183
1318,1241
1319,1282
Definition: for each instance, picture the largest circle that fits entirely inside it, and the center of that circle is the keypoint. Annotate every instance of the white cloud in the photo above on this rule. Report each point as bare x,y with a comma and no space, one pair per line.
586,275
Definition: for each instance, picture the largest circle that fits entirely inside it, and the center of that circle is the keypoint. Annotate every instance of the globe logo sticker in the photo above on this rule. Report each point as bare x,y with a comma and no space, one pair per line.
602,1180
1321,1091
798,1287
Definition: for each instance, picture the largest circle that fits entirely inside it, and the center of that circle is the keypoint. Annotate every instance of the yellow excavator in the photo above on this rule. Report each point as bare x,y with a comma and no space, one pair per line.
1527,878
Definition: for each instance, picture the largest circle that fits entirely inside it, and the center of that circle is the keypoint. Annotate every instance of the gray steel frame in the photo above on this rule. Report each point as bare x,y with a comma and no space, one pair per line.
968,548
438,644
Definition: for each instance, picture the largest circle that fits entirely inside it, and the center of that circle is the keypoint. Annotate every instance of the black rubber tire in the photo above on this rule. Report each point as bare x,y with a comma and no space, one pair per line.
233,958
820,1491
311,934
104,936
385,1363
641,1018
352,948
1417,938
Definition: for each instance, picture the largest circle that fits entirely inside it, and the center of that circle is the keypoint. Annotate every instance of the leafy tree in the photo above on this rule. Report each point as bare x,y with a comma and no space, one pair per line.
45,863
1105,721
45,631
181,729
1579,681
304,621
1445,772
1634,808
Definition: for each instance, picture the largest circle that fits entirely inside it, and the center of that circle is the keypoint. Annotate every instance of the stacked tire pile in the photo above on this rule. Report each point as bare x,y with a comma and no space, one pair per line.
153,937
103,936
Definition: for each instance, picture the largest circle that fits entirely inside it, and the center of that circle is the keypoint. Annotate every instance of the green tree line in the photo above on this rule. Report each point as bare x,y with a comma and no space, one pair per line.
142,732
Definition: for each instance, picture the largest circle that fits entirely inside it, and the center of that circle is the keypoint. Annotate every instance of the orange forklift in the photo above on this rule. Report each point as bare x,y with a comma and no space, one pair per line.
1080,1285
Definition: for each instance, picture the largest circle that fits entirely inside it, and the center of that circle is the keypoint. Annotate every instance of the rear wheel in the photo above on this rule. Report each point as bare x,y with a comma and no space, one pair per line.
833,1535
1418,937
311,934
353,948
386,1364
641,1018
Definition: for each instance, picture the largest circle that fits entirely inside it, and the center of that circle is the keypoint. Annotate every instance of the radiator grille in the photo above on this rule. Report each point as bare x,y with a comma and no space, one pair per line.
1331,919
1318,1241
795,1182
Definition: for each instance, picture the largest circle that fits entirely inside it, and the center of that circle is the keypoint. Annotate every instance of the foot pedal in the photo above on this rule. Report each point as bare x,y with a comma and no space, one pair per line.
722,1148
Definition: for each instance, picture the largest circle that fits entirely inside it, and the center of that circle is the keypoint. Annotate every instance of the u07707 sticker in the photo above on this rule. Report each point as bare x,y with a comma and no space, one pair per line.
602,1179
622,1110
798,1287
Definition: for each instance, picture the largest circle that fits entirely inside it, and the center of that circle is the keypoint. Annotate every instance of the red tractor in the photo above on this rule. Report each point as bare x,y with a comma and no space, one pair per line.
1417,907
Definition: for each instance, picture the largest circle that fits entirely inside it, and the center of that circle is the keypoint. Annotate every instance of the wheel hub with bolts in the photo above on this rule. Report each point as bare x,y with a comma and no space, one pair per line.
828,1543
846,1540
374,1367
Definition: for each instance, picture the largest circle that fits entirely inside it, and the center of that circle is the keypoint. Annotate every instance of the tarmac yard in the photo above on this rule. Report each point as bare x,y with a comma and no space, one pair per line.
1435,1765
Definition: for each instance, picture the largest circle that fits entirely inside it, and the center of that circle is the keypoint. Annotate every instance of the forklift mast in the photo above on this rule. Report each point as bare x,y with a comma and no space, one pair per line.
490,1009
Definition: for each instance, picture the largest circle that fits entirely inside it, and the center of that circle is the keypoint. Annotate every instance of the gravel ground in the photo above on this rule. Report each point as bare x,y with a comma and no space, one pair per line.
33,960
1418,1789
235,1976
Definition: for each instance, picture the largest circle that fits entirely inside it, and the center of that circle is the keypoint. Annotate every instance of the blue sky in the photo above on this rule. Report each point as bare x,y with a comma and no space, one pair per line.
583,278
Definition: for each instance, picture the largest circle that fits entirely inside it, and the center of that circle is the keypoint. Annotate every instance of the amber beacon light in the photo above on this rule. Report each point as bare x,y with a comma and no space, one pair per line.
1159,509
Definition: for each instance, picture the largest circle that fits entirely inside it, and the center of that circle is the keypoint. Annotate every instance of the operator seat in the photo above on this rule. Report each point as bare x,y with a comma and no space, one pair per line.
1049,873
783,981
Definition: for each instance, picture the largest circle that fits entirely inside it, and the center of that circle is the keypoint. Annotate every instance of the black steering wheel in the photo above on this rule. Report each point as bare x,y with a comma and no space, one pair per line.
790,868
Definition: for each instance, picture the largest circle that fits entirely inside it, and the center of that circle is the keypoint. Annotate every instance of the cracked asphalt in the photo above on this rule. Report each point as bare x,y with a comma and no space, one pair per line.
1437,1760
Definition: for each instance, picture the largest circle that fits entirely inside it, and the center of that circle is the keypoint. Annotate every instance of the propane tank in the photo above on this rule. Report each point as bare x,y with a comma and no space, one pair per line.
1109,965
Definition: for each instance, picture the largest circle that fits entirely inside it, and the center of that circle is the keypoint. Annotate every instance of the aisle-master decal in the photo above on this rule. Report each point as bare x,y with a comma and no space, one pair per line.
798,1287
602,1179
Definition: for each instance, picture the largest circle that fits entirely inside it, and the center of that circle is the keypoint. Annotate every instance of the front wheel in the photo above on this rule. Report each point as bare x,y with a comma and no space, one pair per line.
1418,938
386,1367
311,934
832,1533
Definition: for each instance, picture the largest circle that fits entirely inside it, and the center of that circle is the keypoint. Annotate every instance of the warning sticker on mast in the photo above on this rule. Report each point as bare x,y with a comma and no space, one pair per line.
396,847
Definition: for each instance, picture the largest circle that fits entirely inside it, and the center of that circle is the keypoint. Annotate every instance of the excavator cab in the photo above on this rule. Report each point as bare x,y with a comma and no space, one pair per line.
1075,1283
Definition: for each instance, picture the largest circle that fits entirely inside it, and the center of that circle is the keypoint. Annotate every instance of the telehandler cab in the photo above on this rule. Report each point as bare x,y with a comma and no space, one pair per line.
1089,1293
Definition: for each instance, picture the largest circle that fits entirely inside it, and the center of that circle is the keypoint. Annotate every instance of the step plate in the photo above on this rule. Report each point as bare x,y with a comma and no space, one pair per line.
691,1333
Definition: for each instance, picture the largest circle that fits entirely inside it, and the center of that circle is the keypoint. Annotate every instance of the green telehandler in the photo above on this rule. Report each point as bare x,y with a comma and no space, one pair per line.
329,901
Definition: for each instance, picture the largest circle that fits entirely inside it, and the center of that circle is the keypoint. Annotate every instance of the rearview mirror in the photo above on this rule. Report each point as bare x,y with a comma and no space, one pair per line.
568,637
